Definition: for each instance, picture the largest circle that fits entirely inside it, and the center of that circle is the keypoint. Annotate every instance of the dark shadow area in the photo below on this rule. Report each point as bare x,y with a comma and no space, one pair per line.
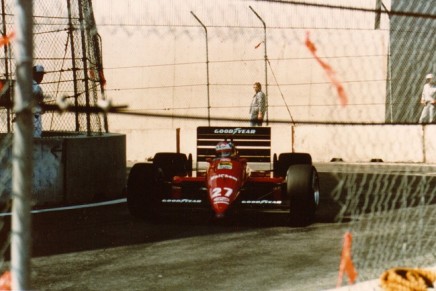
112,226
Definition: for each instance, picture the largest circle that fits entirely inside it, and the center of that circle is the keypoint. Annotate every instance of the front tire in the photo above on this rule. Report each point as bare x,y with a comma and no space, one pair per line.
302,187
142,199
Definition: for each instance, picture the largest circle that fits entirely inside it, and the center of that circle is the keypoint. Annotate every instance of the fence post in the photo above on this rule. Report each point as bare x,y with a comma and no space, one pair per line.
83,27
6,50
266,62
207,67
22,151
73,64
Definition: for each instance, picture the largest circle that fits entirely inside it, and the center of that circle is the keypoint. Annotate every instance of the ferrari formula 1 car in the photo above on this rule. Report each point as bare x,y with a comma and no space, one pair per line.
228,181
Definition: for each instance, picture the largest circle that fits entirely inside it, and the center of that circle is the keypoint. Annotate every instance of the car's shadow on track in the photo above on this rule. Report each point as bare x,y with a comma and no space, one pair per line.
112,226
108,227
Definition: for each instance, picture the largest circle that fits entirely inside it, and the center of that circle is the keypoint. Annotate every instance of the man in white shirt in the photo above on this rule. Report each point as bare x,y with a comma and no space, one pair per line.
428,100
258,106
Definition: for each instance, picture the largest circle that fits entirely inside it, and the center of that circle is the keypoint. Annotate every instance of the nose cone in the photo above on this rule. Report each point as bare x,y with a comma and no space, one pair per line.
220,206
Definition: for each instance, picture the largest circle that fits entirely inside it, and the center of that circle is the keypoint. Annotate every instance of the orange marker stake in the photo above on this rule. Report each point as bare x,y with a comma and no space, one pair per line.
346,264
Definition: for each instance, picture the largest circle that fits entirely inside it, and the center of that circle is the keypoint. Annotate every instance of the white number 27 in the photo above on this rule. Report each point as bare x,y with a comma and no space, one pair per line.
217,192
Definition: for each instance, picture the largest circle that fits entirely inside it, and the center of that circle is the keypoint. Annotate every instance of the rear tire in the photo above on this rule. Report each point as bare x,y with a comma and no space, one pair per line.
172,164
302,187
142,199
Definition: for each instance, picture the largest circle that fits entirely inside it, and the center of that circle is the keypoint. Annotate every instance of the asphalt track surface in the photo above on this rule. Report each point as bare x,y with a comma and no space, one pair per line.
104,248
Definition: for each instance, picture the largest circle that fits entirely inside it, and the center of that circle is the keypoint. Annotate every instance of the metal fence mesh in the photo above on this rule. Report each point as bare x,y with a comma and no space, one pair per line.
66,43
175,66
195,63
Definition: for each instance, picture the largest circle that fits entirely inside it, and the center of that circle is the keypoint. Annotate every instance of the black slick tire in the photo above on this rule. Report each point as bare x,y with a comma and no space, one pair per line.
142,199
302,188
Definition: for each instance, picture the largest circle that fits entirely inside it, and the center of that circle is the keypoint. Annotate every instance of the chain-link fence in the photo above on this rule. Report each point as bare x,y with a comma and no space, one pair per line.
193,63
200,60
411,58
67,45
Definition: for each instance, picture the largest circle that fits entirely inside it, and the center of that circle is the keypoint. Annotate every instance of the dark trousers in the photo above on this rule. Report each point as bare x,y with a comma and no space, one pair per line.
256,122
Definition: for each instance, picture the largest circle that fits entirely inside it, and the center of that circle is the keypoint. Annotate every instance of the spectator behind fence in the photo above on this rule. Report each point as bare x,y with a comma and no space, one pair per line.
258,106
38,95
428,100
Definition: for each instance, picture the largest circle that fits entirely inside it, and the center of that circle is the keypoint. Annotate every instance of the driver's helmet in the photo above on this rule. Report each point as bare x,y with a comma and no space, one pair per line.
225,149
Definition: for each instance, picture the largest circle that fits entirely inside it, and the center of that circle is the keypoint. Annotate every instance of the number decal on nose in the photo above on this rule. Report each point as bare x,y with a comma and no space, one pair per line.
217,192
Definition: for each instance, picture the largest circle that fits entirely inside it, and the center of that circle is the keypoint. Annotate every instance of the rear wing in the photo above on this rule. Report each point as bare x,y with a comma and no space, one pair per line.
253,143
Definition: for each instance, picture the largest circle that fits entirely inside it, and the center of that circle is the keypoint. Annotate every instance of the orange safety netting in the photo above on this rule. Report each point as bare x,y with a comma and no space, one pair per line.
6,281
6,39
343,98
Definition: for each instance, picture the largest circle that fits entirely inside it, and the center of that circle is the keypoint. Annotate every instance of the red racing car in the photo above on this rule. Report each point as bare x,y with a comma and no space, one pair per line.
228,181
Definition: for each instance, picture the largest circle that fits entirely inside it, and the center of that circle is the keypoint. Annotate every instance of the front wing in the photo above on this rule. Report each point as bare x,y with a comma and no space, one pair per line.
256,193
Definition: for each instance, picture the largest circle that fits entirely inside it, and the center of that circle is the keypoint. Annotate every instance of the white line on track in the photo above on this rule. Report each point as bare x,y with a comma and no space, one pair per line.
105,203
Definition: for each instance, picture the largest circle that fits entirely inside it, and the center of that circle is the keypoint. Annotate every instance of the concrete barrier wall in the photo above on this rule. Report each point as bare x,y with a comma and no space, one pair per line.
95,167
391,143
48,170
74,169
351,143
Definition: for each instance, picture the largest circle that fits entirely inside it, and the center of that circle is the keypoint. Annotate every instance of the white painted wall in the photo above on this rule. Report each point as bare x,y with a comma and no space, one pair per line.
391,143
154,57
352,143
